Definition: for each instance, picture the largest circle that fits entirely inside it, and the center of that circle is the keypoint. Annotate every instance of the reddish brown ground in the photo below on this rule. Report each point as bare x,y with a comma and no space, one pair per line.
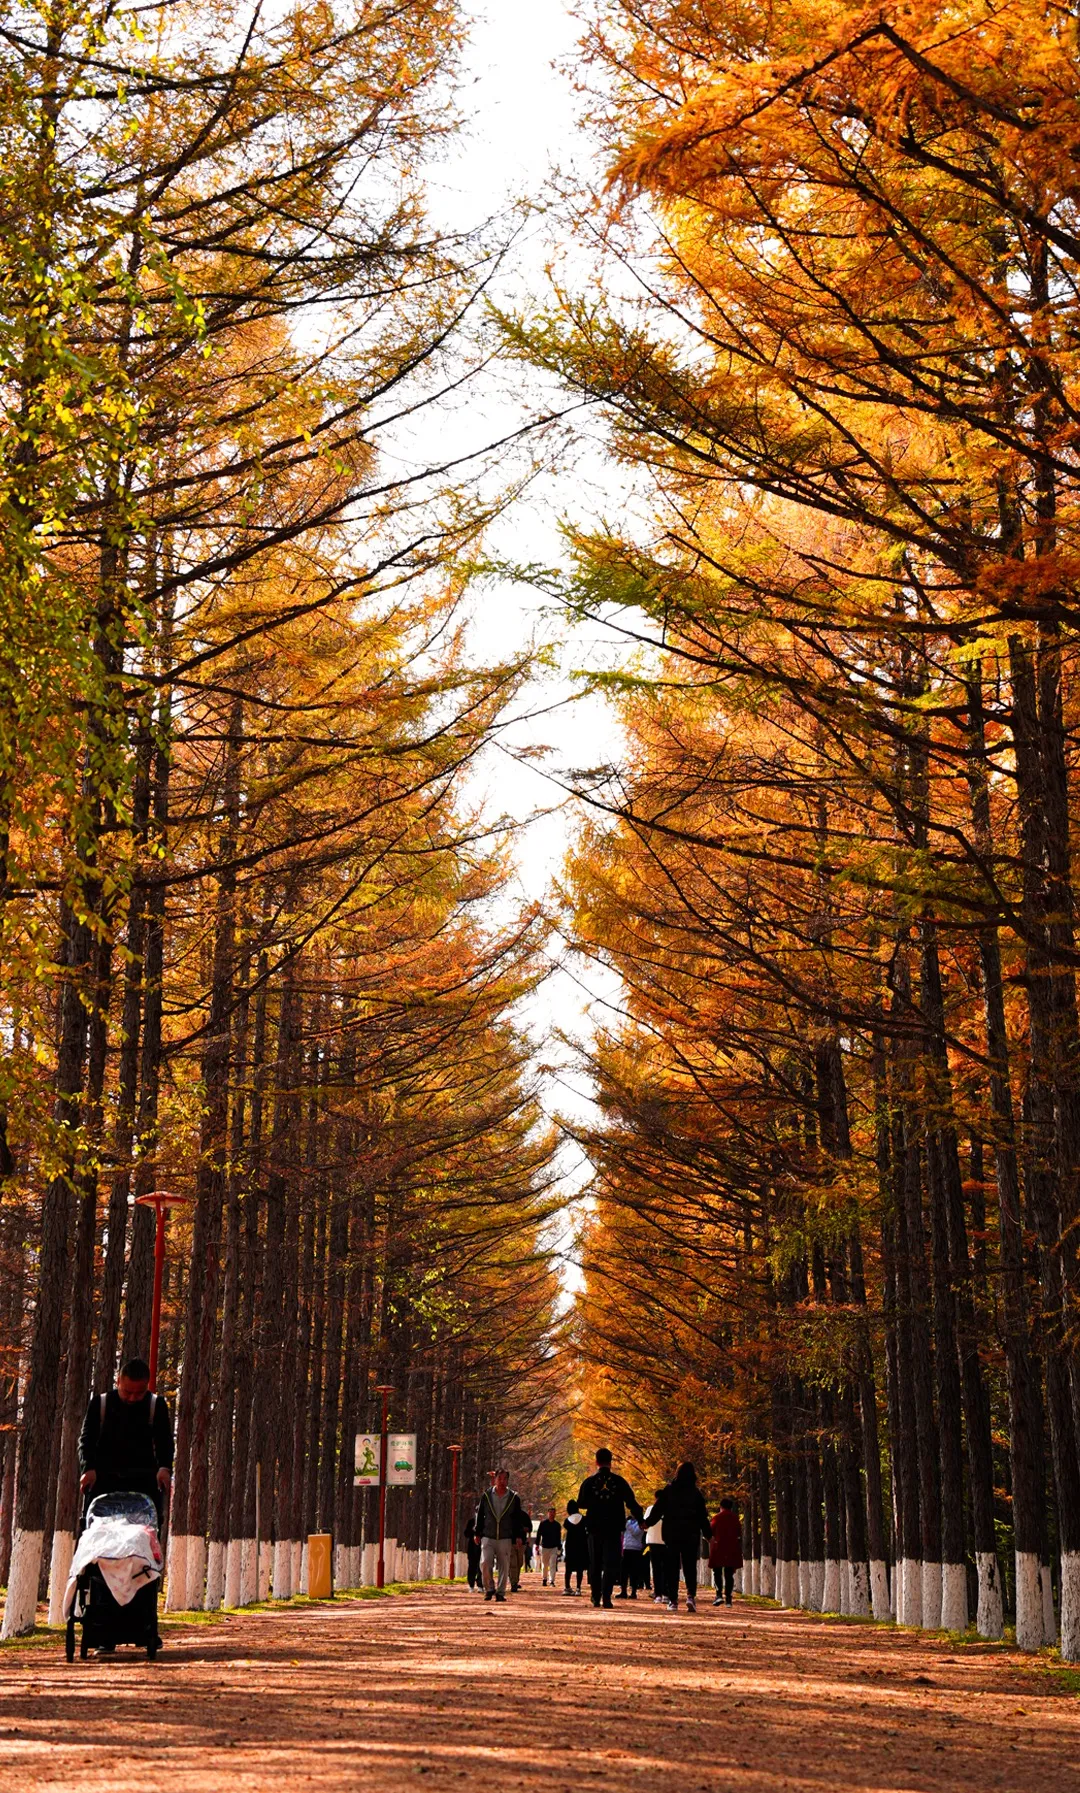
539,1693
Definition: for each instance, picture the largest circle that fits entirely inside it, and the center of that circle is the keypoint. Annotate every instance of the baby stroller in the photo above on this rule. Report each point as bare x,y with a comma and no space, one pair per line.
113,1583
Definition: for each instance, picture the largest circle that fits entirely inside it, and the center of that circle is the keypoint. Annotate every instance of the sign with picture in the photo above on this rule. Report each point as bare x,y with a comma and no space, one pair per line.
366,1460
401,1460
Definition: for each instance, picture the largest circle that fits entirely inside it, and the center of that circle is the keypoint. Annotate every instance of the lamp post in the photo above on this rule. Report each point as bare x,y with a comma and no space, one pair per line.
161,1201
385,1389
455,1466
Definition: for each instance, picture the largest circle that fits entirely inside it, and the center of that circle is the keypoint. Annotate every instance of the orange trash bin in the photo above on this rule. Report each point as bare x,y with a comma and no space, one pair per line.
320,1569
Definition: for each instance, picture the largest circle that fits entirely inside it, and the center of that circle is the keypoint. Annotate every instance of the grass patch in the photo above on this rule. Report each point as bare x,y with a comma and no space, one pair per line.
1062,1676
40,1637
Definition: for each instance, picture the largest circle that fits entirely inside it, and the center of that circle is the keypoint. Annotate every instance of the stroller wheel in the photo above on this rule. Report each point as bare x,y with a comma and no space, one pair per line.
69,1640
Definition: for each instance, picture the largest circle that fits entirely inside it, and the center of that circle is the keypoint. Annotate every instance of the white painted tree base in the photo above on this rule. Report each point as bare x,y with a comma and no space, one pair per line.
791,1583
909,1591
1049,1616
371,1564
954,1599
1070,1606
63,1549
266,1558
249,1591
298,1566
879,1590
176,1573
196,1573
802,1598
859,1582
282,1582
24,1574
990,1617
215,1574
931,1596
1029,1603
831,1591
767,1578
232,1572
816,1584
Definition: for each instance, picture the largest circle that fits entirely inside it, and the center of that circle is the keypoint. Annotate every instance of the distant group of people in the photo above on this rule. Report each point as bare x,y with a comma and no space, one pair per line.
609,1539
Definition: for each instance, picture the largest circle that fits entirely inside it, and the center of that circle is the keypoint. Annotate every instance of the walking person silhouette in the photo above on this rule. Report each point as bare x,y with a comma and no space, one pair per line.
606,1499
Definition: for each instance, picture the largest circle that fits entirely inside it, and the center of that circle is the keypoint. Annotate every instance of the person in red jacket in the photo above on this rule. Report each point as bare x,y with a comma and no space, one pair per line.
725,1550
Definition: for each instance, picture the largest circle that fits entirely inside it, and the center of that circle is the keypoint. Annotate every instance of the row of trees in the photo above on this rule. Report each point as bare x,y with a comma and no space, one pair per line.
835,1246
247,951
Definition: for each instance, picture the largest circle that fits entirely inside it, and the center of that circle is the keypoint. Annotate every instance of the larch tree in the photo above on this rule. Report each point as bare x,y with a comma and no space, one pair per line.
848,373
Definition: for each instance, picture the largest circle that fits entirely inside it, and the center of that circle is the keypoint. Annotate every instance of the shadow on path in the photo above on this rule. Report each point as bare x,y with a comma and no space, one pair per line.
543,1693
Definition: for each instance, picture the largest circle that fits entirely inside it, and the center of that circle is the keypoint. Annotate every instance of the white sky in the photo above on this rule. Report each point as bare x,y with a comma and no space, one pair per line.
522,113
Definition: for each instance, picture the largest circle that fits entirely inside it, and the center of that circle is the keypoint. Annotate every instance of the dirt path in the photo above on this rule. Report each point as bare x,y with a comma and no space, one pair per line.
542,1693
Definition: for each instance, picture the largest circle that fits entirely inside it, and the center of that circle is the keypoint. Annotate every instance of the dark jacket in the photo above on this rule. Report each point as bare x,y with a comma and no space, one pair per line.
549,1534
508,1524
682,1513
606,1497
134,1441
575,1545
725,1551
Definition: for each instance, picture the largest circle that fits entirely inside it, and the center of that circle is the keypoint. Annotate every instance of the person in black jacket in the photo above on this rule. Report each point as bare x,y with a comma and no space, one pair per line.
127,1440
684,1520
549,1538
575,1547
472,1548
606,1497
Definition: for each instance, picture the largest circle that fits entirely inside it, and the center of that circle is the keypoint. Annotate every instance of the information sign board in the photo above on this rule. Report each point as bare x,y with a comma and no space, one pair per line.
366,1461
401,1460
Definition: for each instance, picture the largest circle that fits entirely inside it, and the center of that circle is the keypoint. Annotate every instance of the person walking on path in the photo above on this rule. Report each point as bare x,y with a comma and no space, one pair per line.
519,1555
725,1551
606,1498
126,1441
498,1525
575,1546
654,1543
684,1520
549,1538
633,1549
472,1548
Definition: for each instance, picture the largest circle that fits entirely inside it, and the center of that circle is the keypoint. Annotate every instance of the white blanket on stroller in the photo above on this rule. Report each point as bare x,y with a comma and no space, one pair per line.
128,1555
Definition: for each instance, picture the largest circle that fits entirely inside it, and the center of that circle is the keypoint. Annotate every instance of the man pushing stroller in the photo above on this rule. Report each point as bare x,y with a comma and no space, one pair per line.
126,1445
126,1457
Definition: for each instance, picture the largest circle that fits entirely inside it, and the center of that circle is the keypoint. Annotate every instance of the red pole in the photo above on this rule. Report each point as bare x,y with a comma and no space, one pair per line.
159,1267
380,1577
456,1454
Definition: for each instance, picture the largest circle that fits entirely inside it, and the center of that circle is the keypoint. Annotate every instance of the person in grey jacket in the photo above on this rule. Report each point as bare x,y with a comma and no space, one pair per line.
498,1525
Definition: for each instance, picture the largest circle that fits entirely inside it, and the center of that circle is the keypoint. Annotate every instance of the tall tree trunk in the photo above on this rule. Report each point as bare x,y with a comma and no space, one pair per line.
189,1515
39,1418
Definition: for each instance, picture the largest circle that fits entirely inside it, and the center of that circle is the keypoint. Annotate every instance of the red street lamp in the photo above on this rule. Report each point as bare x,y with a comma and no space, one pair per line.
160,1200
385,1389
455,1460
